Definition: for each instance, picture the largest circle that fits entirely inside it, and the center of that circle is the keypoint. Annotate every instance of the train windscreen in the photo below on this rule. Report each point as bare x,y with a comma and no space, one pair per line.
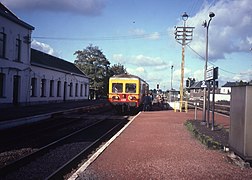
117,87
130,87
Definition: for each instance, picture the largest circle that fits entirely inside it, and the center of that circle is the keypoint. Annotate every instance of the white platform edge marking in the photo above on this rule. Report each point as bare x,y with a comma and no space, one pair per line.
97,153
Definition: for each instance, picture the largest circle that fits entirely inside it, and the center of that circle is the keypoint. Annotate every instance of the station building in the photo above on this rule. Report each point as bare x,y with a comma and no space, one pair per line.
28,76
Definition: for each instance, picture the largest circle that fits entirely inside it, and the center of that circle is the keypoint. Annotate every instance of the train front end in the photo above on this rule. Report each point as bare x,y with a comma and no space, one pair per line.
124,91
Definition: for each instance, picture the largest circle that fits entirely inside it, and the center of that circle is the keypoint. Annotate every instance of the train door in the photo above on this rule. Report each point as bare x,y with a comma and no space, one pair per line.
16,89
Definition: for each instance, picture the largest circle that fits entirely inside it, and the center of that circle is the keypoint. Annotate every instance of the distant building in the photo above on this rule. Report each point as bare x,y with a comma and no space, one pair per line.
28,76
226,88
196,91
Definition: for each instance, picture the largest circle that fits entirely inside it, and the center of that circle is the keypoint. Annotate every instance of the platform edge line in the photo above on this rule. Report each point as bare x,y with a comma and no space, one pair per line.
97,153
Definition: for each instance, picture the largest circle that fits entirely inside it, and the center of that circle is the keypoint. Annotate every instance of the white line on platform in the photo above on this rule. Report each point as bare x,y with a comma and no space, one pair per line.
97,153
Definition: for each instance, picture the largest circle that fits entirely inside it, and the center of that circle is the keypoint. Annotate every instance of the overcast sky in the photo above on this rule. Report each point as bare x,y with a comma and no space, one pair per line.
140,34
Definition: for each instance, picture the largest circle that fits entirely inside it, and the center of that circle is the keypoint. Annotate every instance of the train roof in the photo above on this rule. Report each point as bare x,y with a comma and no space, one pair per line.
126,75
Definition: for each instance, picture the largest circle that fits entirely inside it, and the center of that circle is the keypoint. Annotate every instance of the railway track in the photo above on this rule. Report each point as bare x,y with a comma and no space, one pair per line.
22,140
219,107
58,158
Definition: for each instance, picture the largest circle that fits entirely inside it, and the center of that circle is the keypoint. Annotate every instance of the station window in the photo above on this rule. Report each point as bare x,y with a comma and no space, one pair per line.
117,87
59,89
2,44
18,50
51,88
85,90
2,84
76,89
81,90
43,88
33,87
71,89
130,88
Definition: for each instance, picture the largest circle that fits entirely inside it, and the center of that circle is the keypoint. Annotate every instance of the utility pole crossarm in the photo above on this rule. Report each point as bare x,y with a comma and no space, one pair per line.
183,36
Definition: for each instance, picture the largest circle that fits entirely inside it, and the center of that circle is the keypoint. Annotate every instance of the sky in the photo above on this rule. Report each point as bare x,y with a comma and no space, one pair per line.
139,34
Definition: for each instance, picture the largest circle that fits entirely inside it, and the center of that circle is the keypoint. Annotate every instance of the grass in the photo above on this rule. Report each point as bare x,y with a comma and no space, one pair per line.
208,141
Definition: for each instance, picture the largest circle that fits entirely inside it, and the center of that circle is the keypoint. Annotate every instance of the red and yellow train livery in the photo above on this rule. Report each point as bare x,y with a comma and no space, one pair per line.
127,90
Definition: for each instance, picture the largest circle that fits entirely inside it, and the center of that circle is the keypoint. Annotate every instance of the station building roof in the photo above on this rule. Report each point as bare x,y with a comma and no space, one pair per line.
5,12
230,84
196,85
44,60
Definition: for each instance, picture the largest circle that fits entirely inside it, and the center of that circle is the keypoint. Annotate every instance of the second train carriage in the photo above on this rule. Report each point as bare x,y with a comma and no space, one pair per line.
127,90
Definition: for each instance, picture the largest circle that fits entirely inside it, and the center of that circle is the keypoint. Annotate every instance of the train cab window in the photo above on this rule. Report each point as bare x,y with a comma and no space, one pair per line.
117,87
130,88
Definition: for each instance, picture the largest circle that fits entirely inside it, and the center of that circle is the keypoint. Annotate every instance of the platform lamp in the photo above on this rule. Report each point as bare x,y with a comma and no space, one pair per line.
206,25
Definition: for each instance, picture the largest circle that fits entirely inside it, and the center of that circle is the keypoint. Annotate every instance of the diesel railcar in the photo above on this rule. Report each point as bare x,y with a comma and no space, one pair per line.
126,91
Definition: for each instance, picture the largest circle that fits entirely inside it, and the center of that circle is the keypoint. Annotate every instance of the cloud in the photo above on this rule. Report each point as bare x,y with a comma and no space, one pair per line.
154,36
243,76
43,47
142,60
118,58
152,69
138,71
141,33
137,32
85,7
229,31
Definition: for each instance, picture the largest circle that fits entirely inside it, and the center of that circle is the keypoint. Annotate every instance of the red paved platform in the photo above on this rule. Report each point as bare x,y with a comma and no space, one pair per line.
157,145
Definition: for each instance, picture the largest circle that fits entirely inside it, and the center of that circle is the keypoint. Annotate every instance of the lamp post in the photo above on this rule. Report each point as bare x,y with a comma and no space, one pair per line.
171,76
171,93
206,25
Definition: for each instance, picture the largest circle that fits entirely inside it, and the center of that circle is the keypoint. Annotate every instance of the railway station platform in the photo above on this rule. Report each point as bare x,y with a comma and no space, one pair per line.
18,115
157,145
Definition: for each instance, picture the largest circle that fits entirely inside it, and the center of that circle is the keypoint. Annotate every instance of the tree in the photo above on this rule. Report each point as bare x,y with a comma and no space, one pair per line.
95,65
117,69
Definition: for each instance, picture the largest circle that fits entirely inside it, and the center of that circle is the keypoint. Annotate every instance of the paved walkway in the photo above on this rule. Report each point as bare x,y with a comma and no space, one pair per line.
17,116
157,145
12,113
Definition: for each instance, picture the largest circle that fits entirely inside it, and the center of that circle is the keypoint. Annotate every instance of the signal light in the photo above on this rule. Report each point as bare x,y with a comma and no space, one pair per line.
187,83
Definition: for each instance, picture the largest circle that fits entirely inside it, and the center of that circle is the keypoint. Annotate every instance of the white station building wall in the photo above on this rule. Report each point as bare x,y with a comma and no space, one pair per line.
51,85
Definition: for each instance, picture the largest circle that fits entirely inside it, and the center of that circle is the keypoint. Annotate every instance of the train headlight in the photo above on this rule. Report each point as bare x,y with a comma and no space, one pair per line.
115,97
132,98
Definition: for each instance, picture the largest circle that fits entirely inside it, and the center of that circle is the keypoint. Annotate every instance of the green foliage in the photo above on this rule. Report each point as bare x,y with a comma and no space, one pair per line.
117,69
96,66
204,139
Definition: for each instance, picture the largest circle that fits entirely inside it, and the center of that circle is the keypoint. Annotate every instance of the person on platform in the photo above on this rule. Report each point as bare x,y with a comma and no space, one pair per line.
146,102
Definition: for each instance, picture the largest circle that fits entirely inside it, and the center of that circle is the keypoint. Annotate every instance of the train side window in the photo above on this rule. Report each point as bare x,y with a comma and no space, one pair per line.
117,87
130,88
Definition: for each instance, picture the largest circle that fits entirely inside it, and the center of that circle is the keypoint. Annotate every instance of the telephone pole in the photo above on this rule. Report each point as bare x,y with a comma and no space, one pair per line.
183,36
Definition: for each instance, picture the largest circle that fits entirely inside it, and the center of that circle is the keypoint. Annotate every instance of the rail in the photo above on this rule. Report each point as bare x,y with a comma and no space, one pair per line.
85,138
219,107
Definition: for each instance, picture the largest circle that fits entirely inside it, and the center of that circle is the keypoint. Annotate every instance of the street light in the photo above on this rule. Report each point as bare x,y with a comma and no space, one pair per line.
185,17
171,75
206,25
